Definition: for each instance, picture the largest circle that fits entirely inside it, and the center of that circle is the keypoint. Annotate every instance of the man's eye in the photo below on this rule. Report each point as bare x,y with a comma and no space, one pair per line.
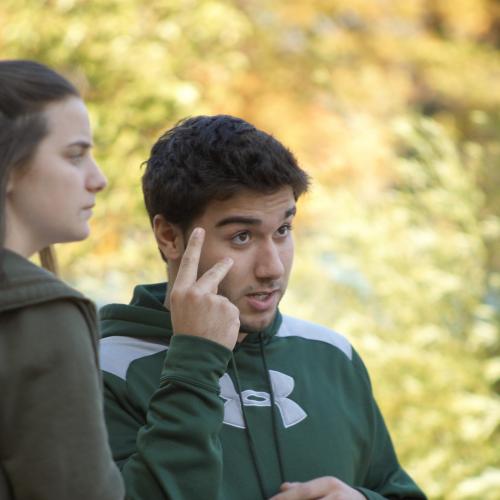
284,230
241,238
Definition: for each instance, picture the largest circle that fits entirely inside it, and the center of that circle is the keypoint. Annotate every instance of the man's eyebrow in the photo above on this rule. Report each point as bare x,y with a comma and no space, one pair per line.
250,221
238,219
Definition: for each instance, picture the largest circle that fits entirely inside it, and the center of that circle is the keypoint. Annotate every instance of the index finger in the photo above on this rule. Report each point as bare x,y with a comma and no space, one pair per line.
188,268
210,281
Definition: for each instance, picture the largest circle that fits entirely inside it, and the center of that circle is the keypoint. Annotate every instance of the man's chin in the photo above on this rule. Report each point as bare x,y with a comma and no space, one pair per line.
255,326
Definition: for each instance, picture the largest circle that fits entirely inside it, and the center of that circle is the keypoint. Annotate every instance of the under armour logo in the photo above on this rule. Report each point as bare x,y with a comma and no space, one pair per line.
282,386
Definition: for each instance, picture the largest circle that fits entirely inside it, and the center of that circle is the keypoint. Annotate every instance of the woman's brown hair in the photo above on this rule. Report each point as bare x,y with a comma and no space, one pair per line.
26,88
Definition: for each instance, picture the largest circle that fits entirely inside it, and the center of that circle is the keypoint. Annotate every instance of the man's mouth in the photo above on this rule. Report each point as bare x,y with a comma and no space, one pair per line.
260,295
261,300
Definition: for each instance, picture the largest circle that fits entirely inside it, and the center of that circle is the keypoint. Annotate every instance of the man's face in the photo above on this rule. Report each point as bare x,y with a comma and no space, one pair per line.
255,231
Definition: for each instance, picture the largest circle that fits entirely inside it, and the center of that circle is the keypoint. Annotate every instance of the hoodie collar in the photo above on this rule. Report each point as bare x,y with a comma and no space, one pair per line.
146,316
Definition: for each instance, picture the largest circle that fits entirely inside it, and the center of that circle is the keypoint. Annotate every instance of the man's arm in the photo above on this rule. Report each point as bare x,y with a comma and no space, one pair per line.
385,477
176,452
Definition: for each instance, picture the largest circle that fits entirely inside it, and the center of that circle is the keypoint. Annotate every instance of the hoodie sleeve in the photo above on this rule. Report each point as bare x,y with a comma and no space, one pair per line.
175,453
385,478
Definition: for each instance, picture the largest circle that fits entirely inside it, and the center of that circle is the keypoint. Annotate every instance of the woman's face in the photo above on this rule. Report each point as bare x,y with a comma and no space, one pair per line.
50,201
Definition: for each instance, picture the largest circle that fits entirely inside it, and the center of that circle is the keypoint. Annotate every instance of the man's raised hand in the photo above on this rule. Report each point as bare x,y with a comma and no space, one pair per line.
194,304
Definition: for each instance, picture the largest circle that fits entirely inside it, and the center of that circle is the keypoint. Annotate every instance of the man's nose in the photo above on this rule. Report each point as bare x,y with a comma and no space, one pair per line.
268,263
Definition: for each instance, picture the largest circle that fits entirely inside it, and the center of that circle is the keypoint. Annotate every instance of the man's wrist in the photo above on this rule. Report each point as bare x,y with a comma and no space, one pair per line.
195,358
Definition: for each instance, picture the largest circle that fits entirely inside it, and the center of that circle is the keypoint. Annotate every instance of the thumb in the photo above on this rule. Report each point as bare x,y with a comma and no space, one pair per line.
288,486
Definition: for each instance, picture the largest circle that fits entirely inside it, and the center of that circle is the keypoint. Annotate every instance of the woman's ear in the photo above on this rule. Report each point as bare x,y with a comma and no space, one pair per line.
10,183
169,237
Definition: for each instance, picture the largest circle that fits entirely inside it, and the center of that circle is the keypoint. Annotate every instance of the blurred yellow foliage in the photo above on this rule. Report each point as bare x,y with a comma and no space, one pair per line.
394,108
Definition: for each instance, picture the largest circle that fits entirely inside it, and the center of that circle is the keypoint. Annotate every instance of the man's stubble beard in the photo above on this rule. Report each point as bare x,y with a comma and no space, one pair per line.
245,328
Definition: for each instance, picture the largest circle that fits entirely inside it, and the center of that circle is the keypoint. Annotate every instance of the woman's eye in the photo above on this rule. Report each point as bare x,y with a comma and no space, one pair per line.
241,238
76,156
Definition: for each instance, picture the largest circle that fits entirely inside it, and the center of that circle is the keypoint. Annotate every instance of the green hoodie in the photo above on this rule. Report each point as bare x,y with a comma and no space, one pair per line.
188,419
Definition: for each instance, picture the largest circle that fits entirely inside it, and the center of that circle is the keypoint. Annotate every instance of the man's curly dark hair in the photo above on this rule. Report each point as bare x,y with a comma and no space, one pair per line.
207,158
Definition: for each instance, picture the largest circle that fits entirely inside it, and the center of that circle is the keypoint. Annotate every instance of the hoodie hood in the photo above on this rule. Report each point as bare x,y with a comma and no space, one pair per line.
23,284
146,316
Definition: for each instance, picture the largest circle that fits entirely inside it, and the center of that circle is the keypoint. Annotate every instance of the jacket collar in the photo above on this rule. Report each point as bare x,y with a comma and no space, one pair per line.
152,296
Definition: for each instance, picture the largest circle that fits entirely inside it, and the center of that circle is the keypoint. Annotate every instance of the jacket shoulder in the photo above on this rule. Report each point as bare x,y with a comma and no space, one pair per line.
25,284
117,353
295,327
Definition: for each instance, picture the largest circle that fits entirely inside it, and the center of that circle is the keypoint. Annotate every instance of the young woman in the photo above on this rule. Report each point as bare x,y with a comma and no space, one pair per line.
53,443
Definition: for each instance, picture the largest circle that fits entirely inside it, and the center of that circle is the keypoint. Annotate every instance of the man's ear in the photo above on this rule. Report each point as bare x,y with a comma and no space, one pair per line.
169,237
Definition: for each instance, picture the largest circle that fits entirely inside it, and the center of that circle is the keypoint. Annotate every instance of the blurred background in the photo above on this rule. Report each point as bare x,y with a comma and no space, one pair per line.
393,107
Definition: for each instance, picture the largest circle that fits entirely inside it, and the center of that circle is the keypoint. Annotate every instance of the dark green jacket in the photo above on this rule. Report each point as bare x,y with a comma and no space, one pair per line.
53,441
179,431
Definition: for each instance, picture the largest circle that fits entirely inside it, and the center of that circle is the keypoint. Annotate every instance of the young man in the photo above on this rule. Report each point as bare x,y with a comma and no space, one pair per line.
210,392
